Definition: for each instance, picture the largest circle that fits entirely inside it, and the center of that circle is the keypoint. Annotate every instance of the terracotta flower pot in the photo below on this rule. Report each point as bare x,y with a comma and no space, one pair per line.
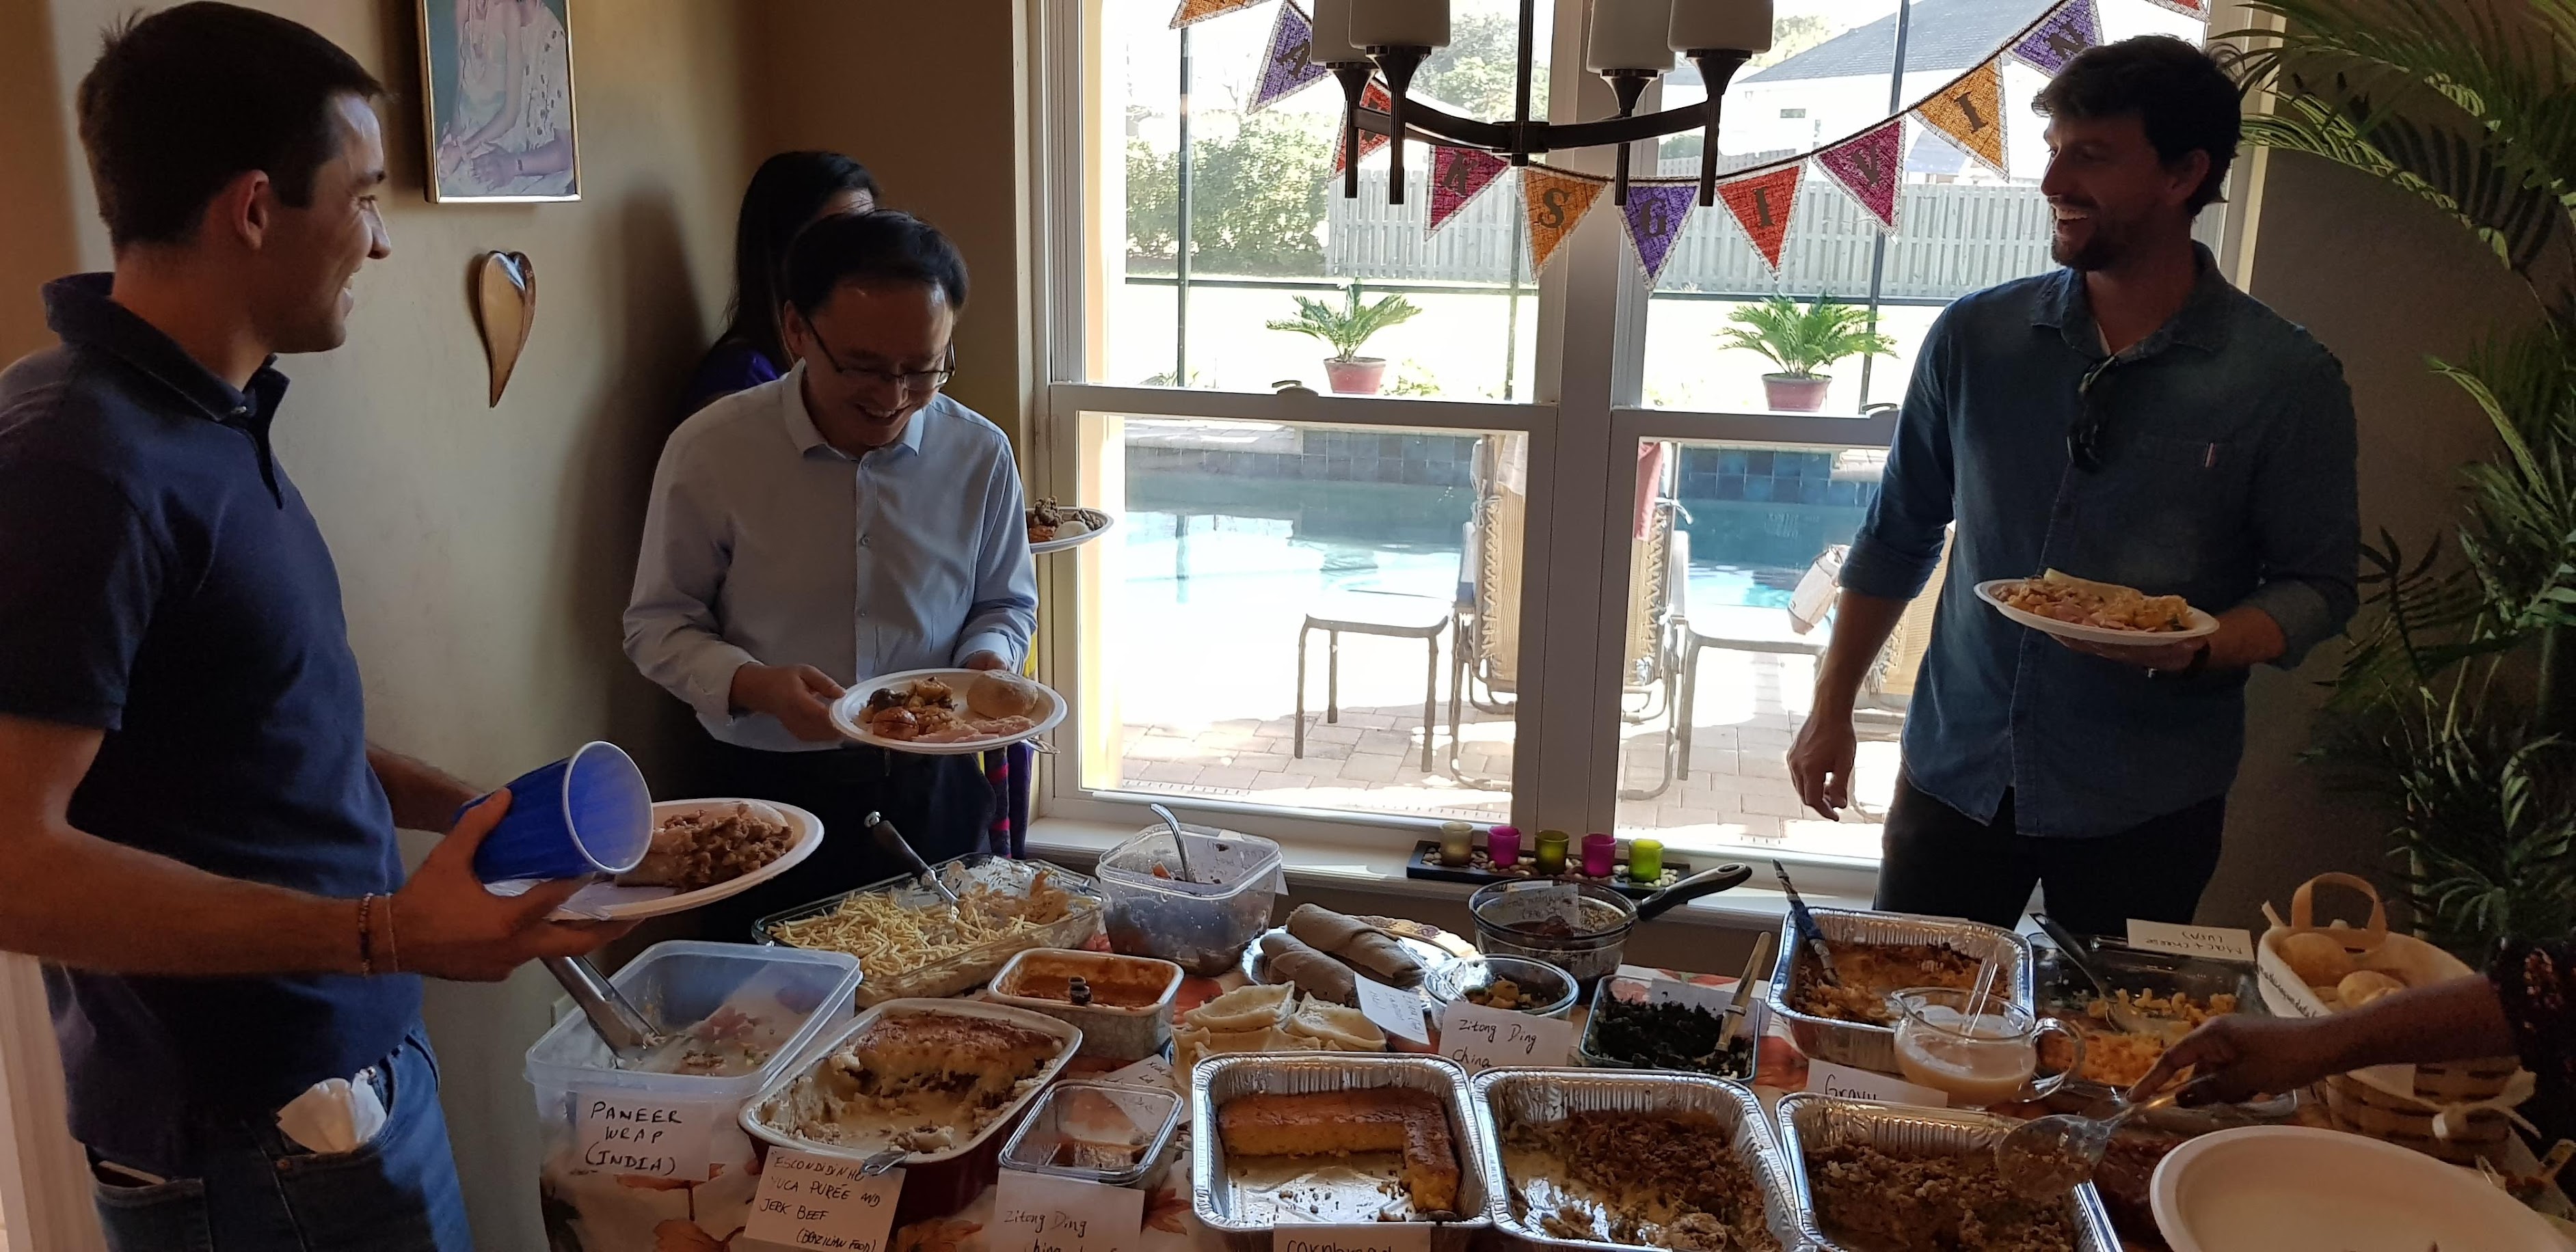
1359,376
1795,393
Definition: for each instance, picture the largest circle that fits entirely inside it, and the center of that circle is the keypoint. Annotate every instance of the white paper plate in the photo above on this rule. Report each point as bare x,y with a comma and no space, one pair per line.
1098,520
846,711
2201,623
2280,1188
608,902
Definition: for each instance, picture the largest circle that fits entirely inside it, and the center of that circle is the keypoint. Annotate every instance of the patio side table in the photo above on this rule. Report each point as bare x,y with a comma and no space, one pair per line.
1386,614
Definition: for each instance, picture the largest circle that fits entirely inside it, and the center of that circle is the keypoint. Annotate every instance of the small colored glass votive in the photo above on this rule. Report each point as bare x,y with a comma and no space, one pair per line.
1551,851
1457,843
1503,845
1645,860
1600,854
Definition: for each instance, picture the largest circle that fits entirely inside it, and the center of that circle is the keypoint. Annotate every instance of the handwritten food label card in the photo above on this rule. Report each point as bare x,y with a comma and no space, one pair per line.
1377,1237
1481,1038
1861,1084
809,1201
2215,942
1044,1213
627,1132
1394,1009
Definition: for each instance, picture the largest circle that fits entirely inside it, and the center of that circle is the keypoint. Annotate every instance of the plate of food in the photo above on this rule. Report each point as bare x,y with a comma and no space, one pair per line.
2095,612
1055,527
703,851
947,712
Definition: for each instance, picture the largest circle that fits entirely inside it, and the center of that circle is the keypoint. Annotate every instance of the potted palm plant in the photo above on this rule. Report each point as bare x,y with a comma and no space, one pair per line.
1347,330
1802,341
2456,707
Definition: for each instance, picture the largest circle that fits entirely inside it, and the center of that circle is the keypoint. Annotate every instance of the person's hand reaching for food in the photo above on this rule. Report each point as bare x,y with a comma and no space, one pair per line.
2245,1057
799,696
444,923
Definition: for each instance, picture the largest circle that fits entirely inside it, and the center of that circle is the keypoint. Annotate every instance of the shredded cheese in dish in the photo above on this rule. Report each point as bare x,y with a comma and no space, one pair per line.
891,938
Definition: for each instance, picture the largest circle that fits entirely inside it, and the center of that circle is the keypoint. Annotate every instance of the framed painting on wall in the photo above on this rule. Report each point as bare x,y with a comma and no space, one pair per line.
497,93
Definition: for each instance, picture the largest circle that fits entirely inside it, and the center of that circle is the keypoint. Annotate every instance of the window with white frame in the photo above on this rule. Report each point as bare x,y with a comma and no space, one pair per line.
1409,530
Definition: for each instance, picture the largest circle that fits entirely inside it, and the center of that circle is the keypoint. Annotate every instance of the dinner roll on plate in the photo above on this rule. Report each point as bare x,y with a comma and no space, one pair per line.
998,694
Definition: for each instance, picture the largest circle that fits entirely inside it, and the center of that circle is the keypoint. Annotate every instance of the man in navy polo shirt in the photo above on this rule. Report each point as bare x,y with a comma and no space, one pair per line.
199,839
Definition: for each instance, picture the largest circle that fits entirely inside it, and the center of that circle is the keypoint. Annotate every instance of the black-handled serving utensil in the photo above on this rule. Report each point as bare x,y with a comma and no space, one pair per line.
1809,937
1710,881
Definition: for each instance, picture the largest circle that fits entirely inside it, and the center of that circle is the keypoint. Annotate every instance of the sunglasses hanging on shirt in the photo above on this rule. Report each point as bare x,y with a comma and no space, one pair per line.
2084,438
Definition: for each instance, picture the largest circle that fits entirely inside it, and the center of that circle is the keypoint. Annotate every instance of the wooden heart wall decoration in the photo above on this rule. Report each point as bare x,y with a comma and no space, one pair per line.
505,303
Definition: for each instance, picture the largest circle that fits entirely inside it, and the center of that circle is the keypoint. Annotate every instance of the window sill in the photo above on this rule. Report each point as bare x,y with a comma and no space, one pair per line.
1368,866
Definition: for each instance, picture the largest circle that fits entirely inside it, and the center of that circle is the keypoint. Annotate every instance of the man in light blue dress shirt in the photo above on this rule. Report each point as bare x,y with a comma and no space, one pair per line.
841,523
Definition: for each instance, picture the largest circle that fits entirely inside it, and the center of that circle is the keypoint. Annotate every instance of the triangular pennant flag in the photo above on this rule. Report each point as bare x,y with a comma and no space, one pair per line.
1192,11
1370,141
2188,8
2068,29
1556,203
1870,166
1458,176
1971,112
1761,205
1656,213
1284,70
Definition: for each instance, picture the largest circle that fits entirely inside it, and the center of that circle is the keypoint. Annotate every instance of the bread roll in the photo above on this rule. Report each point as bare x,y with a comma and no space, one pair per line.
997,694
2362,986
2317,959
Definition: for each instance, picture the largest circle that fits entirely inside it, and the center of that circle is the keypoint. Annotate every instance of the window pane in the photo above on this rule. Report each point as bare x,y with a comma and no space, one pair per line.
1267,224
1719,673
1244,544
1965,227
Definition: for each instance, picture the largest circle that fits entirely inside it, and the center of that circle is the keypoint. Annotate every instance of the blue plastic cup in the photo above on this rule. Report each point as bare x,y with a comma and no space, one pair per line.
588,813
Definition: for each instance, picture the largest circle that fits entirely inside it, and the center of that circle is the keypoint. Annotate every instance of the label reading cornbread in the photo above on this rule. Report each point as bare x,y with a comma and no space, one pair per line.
1378,1237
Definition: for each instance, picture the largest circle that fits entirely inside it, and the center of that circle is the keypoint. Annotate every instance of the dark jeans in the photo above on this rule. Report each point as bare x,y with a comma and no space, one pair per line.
943,806
1941,862
251,1189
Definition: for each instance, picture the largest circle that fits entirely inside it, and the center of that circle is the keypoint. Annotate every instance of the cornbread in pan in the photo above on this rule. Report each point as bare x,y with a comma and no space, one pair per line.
1384,1119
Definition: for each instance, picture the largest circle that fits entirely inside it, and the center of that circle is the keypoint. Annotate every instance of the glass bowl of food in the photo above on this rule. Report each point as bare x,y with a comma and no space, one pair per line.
1505,982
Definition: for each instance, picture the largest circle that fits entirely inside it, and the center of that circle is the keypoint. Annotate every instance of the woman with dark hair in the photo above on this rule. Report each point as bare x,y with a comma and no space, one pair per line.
789,192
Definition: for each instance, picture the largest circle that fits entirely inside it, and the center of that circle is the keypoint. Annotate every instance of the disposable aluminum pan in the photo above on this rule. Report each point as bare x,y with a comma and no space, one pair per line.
1814,1122
1227,1208
935,1184
1507,1096
1874,1047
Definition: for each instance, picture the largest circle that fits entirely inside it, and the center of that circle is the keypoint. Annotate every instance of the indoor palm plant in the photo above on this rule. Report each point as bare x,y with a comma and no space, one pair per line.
1347,330
1802,341
2457,702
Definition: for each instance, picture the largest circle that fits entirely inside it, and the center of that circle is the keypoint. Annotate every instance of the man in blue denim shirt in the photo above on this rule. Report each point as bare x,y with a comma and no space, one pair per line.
2130,418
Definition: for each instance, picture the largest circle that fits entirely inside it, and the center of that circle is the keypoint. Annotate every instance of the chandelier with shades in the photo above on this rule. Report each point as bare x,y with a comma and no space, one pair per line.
1632,43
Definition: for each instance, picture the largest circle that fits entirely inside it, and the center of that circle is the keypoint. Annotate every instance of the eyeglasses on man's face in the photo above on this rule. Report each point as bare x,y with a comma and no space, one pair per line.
905,383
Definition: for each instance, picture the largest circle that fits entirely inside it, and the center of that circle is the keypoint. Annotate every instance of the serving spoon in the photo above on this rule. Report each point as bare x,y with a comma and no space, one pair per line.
2071,949
2045,1157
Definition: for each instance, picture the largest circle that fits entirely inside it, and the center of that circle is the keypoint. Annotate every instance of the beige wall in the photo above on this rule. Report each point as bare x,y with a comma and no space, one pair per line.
2383,281
928,97
485,553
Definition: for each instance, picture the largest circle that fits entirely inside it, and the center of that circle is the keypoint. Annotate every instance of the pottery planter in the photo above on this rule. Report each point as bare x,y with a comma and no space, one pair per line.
1795,393
1358,376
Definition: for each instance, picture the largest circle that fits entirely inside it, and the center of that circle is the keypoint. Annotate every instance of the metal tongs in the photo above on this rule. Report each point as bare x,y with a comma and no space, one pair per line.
892,841
626,1032
1809,937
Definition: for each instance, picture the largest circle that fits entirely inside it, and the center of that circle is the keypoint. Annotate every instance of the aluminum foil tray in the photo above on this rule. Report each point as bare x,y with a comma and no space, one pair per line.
1874,1047
1814,1121
1504,1096
1242,1215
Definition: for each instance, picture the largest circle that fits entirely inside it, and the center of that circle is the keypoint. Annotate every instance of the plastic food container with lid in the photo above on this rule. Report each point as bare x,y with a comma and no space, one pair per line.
1130,1015
1098,1132
1202,926
791,998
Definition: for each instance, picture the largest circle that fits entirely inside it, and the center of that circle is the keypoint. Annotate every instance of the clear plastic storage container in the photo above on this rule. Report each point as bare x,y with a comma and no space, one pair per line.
776,1003
1201,926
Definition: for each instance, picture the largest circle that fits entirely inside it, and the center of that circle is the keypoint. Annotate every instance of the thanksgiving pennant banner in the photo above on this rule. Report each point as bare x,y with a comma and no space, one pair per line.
1656,213
1458,176
1870,166
1195,11
2068,29
1556,203
1971,112
1284,71
1761,205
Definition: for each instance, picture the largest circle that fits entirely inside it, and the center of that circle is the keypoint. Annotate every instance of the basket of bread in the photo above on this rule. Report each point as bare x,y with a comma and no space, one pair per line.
2456,1111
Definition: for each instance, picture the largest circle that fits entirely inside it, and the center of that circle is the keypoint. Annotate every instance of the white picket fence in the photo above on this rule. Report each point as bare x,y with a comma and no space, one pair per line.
1955,239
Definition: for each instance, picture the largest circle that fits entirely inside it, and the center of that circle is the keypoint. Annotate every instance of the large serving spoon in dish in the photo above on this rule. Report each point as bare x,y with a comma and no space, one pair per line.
2046,1157
2071,949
